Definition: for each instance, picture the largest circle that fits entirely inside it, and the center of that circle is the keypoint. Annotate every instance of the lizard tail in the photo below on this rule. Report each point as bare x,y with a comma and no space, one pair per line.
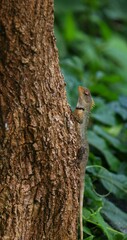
81,210
81,226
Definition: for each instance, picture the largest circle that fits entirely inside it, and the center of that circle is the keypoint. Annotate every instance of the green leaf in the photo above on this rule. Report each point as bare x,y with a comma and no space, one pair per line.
115,216
114,183
74,66
101,145
123,101
112,161
114,130
97,219
123,135
116,48
105,30
86,230
68,5
90,238
96,141
117,9
117,108
103,91
112,140
105,115
70,32
95,200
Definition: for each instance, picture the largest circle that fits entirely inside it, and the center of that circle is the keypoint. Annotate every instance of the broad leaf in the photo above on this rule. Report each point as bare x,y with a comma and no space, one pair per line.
115,216
114,183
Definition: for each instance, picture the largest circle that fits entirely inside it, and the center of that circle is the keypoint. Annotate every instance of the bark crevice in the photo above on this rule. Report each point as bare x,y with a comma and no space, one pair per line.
39,174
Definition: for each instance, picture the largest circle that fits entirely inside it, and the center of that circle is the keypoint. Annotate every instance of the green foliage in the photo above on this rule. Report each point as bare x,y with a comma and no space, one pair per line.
91,38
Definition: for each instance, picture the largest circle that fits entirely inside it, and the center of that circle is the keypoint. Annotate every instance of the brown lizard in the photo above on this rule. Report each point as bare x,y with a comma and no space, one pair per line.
81,114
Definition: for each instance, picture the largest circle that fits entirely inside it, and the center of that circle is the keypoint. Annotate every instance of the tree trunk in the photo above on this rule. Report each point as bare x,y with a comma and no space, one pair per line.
39,172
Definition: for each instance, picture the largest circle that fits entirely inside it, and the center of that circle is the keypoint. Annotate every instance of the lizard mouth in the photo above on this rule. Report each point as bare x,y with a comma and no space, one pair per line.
80,108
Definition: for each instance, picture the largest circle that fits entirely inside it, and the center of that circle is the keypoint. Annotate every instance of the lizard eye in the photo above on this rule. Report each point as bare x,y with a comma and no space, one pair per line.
86,92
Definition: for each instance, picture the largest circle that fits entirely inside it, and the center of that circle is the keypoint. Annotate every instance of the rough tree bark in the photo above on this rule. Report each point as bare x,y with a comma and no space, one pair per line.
39,173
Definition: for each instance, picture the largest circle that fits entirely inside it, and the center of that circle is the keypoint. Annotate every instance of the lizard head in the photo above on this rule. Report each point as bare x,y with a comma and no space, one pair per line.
85,98
84,105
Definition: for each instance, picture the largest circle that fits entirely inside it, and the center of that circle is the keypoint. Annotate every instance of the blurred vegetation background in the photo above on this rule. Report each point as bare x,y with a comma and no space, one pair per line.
91,39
